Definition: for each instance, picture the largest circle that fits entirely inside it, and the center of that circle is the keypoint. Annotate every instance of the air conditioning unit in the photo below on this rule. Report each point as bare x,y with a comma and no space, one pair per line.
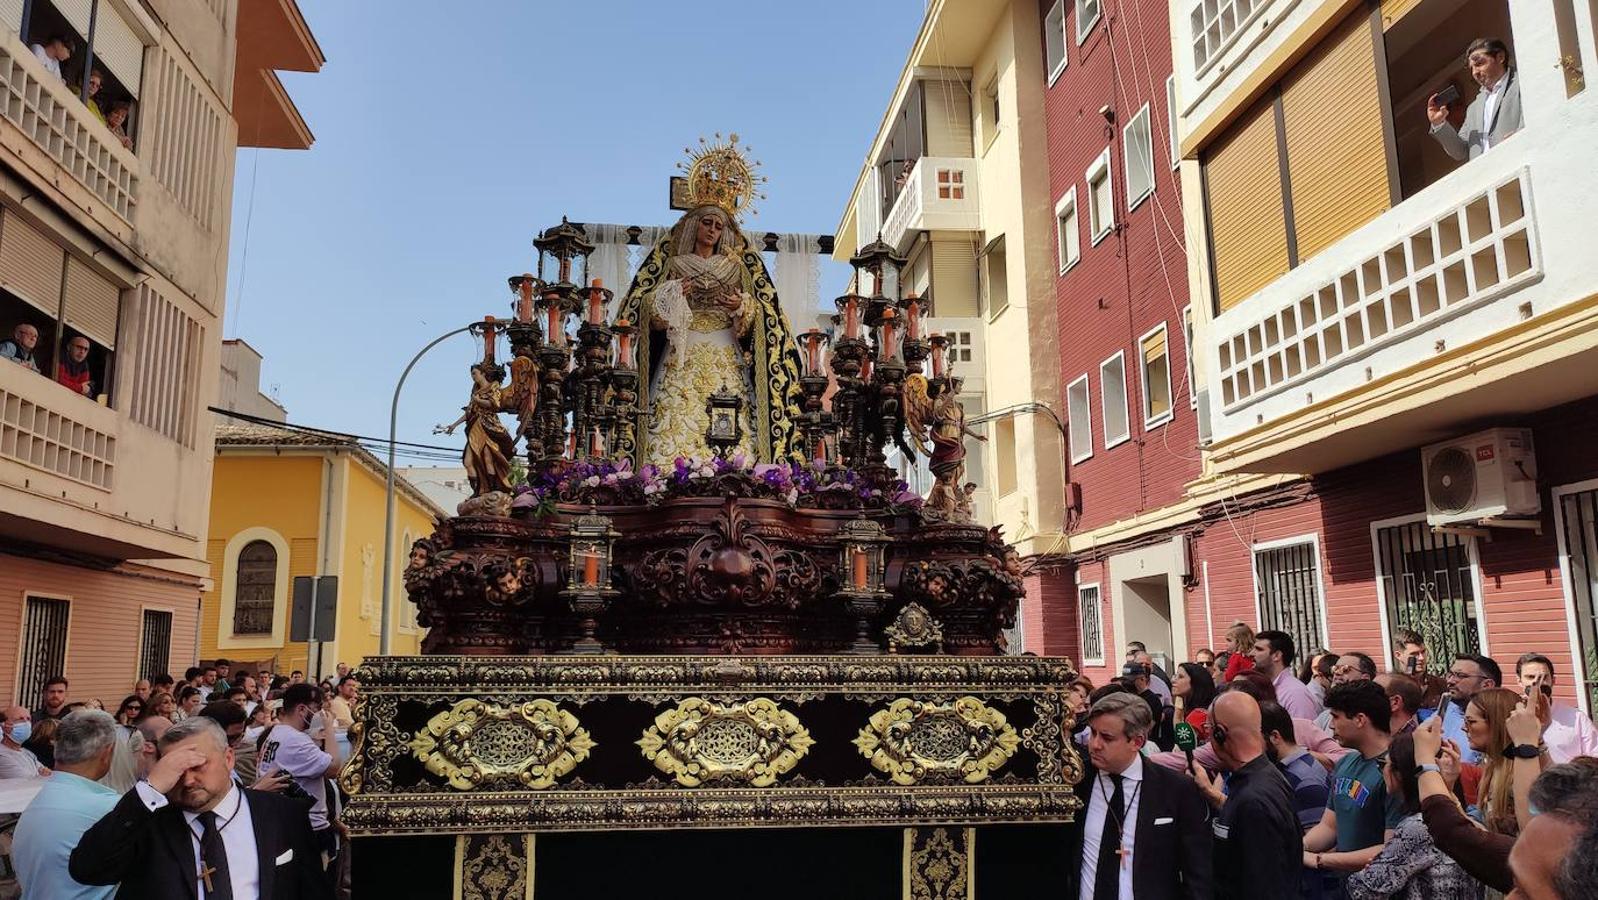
1487,475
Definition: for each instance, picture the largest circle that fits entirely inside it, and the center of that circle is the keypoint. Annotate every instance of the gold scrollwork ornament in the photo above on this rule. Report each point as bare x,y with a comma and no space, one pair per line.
474,743
751,743
914,741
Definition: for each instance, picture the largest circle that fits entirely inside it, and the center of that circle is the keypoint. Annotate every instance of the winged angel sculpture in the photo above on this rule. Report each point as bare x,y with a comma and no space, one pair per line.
933,413
489,447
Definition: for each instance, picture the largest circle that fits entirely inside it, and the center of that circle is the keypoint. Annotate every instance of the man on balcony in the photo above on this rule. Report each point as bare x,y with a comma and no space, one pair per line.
1492,116
24,338
73,372
55,50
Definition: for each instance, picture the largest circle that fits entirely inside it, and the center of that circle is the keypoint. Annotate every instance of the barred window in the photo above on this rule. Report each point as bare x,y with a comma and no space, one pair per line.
1287,580
1089,614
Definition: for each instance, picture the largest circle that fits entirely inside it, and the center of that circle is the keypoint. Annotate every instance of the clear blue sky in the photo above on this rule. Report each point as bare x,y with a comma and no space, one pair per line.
445,141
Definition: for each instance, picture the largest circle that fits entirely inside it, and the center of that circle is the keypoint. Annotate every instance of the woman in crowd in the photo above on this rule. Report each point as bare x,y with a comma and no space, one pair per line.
189,702
160,704
1196,689
1410,865
1077,697
1240,639
1490,786
131,710
42,743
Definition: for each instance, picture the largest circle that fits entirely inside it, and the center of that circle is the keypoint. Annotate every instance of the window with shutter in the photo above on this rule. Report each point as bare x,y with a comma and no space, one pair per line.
1339,180
1248,230
31,264
1156,377
91,304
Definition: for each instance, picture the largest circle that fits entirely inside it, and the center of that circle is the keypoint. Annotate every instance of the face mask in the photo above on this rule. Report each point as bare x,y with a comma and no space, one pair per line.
21,731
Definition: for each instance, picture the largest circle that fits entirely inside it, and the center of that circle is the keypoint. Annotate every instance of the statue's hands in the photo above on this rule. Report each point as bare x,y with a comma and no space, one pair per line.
730,303
443,429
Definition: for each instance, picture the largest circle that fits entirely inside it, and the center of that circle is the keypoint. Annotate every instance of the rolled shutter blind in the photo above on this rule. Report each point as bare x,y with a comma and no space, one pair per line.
77,14
118,48
1248,232
1336,152
1154,347
30,264
11,15
1393,10
91,304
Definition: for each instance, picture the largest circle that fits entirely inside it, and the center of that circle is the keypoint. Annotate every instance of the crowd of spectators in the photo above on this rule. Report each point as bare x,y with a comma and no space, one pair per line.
182,755
1373,780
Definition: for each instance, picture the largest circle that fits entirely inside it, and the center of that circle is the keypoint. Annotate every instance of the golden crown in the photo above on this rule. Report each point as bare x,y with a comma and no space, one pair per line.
720,174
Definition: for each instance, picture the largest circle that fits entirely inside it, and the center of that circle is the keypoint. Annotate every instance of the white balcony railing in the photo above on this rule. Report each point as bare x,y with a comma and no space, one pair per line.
54,119
1317,319
36,432
940,195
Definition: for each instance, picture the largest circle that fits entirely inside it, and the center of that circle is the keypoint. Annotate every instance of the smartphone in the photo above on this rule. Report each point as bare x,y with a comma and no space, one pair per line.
1448,96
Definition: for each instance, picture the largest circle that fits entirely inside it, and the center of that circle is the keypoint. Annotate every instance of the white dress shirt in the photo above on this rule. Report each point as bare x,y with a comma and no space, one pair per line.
1489,110
238,839
1093,826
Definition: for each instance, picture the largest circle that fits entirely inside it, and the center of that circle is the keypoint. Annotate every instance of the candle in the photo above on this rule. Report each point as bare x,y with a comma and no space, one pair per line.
851,318
624,348
488,339
912,314
813,350
890,333
859,569
555,331
524,303
821,450
865,370
596,443
596,303
937,357
590,568
571,445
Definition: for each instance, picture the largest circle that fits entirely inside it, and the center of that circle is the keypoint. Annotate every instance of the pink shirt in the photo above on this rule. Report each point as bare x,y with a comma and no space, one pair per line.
1570,734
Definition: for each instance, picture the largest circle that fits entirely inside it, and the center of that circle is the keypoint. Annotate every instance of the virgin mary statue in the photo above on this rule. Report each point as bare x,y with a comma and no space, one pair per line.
713,323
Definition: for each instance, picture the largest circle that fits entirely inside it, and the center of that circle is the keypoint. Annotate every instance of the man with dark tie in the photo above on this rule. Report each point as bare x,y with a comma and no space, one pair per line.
1144,830
189,831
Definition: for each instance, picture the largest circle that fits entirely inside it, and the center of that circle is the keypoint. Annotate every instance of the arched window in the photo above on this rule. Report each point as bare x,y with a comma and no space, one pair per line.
255,589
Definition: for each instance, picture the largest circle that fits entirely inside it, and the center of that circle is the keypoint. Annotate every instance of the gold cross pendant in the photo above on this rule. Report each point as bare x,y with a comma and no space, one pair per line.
1121,851
205,876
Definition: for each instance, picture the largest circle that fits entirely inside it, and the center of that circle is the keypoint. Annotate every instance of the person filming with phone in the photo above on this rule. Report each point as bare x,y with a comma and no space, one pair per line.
1566,731
1492,116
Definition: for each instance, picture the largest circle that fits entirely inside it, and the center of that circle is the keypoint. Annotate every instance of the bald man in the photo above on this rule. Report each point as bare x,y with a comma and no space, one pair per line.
1258,846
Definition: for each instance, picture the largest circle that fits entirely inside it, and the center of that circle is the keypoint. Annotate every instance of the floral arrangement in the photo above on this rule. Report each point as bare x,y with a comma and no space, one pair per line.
798,484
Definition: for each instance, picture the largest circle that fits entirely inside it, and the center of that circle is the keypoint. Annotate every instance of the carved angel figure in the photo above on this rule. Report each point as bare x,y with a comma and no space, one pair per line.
941,419
521,397
489,447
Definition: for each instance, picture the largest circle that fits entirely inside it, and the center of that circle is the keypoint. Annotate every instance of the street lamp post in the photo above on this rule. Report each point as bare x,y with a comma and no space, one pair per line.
388,519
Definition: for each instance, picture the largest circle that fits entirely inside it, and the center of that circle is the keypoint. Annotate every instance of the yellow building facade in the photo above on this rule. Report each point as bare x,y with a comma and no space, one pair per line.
287,503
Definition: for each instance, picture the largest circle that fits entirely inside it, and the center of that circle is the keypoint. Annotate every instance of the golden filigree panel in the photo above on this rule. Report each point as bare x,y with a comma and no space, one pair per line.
494,867
914,741
937,864
475,743
751,743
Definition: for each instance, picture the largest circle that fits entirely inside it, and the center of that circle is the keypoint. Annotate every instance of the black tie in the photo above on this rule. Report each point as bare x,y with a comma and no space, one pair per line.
1107,878
214,876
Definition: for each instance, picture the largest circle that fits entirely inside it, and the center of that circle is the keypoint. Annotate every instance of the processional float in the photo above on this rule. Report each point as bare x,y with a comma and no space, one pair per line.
770,633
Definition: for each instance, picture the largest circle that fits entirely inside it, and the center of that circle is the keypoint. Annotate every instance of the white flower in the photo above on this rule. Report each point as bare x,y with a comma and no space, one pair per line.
591,481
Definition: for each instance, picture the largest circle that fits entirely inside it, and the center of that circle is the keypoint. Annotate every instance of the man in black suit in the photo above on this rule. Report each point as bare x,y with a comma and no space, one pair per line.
1144,830
189,831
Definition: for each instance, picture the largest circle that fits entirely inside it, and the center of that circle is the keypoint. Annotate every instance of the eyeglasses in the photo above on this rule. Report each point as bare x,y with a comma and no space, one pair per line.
1461,676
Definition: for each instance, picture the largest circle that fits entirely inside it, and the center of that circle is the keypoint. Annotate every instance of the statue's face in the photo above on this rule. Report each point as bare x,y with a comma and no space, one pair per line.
418,557
710,229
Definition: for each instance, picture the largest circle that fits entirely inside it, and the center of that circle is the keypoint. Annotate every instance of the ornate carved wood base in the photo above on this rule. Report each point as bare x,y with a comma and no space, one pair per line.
462,744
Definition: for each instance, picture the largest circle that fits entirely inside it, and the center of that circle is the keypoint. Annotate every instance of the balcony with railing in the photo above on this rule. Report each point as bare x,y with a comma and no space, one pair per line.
57,123
1407,326
939,194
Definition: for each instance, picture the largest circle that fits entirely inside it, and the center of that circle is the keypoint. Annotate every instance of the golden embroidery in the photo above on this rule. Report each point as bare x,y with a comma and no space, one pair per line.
678,427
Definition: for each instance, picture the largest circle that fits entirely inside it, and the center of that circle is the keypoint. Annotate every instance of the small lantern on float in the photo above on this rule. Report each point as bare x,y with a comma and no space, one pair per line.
725,429
592,539
861,573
